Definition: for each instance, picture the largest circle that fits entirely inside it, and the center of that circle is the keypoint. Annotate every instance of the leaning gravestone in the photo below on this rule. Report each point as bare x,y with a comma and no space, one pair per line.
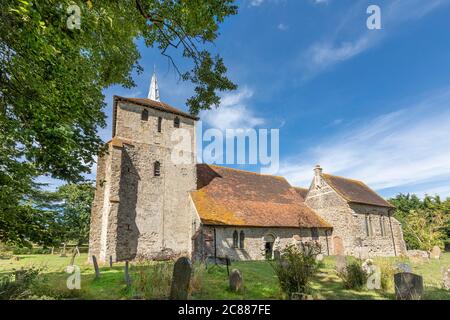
96,268
236,281
181,278
408,286
435,253
341,263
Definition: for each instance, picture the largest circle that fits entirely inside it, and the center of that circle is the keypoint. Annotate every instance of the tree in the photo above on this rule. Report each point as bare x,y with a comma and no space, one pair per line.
52,77
425,222
73,204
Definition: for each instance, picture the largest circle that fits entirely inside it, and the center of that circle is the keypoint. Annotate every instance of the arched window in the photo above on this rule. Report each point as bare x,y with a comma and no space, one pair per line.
235,239
157,169
241,239
159,124
144,115
176,122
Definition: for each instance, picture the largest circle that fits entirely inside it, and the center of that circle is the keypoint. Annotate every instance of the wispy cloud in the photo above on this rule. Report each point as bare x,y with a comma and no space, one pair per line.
337,48
233,113
399,150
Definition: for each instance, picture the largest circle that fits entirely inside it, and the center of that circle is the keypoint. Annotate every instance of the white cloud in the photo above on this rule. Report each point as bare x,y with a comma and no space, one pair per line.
321,1
233,112
256,3
333,50
395,150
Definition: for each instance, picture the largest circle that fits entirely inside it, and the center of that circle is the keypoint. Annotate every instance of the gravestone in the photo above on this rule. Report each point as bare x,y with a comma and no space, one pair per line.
435,253
446,278
408,286
110,261
403,267
301,296
63,252
236,281
341,263
181,278
127,274
319,257
417,256
97,270
276,255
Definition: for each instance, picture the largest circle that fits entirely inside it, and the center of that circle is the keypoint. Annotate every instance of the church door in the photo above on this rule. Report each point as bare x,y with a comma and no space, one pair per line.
338,246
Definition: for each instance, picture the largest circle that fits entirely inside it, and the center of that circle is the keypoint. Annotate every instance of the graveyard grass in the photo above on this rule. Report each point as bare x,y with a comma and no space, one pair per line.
260,281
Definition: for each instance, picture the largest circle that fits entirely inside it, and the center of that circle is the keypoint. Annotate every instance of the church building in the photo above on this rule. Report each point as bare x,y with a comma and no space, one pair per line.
148,206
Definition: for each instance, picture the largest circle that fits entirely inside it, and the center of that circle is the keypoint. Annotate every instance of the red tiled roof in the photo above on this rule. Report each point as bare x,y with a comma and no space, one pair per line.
303,192
228,196
355,191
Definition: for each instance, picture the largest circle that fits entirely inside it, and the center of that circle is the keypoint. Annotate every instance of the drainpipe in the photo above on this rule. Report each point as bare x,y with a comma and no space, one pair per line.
215,247
392,231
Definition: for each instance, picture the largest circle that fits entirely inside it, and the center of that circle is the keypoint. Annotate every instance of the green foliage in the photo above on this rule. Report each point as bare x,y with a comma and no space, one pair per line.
51,82
152,280
17,285
296,268
353,276
425,223
73,203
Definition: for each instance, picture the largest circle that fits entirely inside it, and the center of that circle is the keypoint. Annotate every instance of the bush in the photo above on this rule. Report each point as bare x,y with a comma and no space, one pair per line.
18,285
296,268
353,276
387,275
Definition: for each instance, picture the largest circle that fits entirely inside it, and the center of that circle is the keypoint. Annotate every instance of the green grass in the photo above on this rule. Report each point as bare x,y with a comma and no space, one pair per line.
260,281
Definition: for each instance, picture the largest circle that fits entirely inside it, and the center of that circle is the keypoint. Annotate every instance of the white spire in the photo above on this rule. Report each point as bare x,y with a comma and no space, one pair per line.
153,92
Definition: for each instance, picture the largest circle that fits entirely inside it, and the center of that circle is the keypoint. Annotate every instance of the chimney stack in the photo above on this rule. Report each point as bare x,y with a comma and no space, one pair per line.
318,176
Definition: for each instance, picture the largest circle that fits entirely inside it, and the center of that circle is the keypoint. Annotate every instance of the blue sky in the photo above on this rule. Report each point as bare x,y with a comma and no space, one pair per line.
366,104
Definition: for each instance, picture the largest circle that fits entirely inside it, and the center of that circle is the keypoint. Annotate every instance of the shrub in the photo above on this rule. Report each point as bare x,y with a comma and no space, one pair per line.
296,268
18,285
354,276
387,274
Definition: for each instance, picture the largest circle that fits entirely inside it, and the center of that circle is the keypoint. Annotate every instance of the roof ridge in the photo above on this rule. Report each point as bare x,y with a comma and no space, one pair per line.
245,171
341,177
162,106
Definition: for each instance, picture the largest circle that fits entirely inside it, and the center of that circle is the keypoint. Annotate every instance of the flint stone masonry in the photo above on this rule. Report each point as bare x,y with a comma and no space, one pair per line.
349,225
254,243
136,214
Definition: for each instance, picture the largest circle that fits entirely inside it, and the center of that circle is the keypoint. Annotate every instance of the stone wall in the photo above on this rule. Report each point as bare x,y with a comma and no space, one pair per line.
219,240
350,234
144,215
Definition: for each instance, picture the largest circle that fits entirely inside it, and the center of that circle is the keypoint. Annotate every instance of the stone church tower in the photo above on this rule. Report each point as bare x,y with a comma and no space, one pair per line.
142,196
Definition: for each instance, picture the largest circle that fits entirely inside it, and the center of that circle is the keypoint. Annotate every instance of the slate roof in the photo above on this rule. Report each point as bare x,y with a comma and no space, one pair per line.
355,191
233,197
